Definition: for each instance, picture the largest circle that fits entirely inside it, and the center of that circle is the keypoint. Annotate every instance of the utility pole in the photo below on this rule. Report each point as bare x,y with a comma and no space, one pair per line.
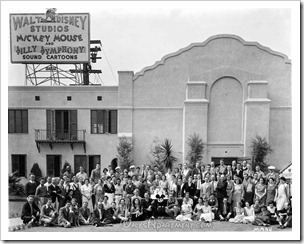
86,67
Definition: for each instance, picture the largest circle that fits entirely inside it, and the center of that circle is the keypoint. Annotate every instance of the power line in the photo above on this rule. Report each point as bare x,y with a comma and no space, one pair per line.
109,64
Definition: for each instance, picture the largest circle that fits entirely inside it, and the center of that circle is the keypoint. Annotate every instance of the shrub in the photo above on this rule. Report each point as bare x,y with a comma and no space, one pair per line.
36,171
15,187
124,153
260,148
196,149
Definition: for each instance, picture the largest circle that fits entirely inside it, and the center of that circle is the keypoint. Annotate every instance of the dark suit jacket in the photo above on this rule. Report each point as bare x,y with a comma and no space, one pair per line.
52,192
96,215
191,189
146,203
240,174
221,208
196,171
26,210
221,189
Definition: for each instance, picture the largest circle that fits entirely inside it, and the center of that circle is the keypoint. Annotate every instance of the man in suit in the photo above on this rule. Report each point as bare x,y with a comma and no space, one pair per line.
147,206
30,187
197,170
233,167
224,210
66,216
222,167
52,191
84,214
239,171
30,212
98,215
186,171
48,214
221,189
190,187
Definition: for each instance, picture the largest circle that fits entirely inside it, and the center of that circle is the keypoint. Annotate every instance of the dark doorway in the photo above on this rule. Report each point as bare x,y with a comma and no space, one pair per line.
81,160
227,161
93,160
53,165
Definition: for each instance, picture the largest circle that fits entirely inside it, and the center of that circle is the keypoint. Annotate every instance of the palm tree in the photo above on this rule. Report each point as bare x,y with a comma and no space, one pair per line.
168,156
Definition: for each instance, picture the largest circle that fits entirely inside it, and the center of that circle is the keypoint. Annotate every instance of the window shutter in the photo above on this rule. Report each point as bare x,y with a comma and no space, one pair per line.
24,121
113,122
18,121
73,124
50,124
93,121
106,121
11,121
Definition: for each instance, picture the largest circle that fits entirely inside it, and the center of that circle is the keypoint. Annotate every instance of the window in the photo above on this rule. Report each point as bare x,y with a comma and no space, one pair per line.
103,121
69,98
37,98
99,98
80,160
53,165
19,164
61,124
17,121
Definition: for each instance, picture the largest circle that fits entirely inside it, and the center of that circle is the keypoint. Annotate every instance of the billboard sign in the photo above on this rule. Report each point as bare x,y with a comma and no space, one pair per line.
50,38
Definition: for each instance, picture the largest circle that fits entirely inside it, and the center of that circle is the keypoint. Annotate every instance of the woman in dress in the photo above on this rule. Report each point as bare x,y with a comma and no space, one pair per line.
238,214
271,191
282,194
106,204
109,189
255,179
198,210
238,192
87,191
248,214
76,190
163,183
207,215
261,191
186,211
99,191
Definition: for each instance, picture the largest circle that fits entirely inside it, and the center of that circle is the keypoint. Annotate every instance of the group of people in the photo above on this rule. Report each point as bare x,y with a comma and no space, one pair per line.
234,193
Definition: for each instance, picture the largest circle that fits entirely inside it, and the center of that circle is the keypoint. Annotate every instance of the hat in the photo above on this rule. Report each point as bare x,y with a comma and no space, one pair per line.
132,166
271,167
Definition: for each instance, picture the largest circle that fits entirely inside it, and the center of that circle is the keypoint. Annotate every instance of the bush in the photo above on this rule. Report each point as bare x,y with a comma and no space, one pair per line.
124,153
167,154
36,171
15,187
196,149
260,148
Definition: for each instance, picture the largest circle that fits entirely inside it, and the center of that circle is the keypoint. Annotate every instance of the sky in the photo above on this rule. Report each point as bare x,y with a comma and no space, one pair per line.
138,34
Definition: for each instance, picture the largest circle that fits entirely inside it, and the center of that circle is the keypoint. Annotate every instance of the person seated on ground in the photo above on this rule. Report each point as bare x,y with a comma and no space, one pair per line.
159,206
272,209
172,208
198,209
207,215
248,213
189,199
285,216
122,212
30,212
213,203
84,214
105,203
48,215
66,217
136,210
263,218
75,209
136,195
98,212
238,214
69,196
147,206
224,210
186,211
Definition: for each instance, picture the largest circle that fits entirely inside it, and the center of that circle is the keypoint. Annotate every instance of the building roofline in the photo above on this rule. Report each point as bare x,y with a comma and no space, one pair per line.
63,88
200,44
